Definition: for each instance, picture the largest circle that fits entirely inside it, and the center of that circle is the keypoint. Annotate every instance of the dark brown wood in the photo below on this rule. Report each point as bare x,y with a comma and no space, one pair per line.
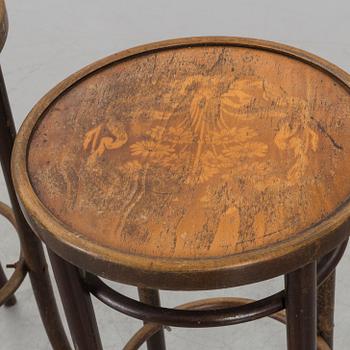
329,262
183,318
32,256
3,280
151,297
14,282
9,286
3,35
148,330
77,305
31,246
325,309
160,165
301,308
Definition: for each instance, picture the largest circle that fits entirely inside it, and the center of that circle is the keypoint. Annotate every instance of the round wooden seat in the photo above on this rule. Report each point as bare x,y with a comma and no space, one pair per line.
192,163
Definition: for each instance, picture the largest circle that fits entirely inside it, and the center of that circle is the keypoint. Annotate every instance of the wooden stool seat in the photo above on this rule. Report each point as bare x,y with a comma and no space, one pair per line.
190,160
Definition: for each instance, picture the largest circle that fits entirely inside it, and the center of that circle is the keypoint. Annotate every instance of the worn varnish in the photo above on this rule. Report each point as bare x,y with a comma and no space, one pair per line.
194,152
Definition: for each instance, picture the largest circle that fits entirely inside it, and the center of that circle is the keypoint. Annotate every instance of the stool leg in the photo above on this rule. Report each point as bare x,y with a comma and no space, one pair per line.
151,297
30,244
77,305
325,309
3,280
301,299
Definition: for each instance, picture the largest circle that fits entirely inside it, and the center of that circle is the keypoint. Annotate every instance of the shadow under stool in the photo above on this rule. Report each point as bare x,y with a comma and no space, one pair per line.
193,164
31,258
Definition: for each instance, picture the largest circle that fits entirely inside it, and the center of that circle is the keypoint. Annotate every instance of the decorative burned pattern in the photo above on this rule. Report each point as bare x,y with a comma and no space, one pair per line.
98,144
217,143
197,152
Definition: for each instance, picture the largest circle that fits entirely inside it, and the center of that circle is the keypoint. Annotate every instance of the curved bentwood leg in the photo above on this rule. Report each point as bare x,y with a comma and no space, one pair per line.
31,246
3,280
151,297
301,308
77,304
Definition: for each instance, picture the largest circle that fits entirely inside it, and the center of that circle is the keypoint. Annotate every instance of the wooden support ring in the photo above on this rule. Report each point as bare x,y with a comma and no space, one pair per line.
20,267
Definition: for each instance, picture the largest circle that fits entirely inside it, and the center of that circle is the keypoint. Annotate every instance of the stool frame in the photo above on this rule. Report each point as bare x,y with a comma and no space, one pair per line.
308,261
308,301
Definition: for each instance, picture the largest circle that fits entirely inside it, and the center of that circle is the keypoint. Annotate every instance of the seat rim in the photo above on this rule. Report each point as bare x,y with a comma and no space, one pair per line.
3,24
176,273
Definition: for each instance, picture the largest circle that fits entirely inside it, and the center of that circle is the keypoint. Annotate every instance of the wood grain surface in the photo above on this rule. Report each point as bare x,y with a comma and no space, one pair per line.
194,152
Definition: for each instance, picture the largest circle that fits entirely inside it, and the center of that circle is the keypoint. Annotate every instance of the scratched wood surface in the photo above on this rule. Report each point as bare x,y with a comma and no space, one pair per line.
194,152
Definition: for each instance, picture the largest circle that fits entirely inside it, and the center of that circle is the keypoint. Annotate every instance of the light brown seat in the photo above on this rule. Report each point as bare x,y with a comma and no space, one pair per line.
176,165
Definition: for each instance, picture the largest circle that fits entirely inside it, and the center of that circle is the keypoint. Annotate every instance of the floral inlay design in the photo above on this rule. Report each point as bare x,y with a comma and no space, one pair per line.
195,152
216,137
209,132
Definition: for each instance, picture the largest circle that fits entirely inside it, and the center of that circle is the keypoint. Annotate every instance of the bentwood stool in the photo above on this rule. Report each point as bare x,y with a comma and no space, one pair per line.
193,164
31,259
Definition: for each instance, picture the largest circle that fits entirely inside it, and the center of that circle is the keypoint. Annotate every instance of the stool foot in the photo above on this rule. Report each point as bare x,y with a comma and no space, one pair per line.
301,300
325,309
3,280
151,297
77,305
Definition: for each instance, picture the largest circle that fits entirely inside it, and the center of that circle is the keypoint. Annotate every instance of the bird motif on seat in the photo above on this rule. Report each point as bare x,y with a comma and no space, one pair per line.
98,143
